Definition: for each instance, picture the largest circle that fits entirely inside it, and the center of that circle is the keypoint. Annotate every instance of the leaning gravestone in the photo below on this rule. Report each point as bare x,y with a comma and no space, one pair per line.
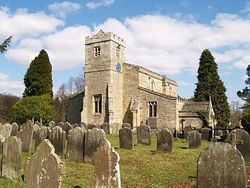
44,169
75,144
26,135
194,139
126,138
164,140
221,166
107,168
206,133
14,129
93,139
43,133
244,146
186,130
11,159
143,135
5,130
106,128
58,139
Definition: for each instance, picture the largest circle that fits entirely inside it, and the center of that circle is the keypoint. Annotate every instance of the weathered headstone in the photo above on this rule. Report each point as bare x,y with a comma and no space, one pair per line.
11,158
26,135
127,125
93,139
152,122
14,129
221,166
106,128
5,130
194,139
186,130
244,145
67,127
107,168
43,133
126,138
206,133
52,124
114,128
58,139
83,125
75,144
75,125
44,169
91,126
143,135
165,140
36,128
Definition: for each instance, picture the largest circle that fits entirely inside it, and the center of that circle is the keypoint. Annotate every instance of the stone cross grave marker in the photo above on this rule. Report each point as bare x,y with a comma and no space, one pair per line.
11,158
165,140
26,136
45,168
107,168
75,144
221,166
241,140
126,138
194,139
93,139
58,139
143,135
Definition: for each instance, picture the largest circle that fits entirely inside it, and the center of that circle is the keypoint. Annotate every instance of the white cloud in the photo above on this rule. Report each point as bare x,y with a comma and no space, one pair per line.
10,86
96,4
247,7
24,24
64,8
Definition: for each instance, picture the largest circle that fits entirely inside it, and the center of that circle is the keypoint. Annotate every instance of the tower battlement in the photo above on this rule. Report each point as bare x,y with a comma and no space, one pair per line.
104,36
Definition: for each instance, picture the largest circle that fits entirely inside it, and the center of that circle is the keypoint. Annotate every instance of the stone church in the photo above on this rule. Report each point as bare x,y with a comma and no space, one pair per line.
117,92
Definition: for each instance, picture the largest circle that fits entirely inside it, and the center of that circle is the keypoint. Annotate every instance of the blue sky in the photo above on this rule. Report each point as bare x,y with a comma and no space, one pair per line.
165,36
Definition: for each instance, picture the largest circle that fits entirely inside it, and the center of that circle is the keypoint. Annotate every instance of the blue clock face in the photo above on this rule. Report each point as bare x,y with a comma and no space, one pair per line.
118,67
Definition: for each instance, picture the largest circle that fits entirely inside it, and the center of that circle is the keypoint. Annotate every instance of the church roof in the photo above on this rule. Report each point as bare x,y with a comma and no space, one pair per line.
195,106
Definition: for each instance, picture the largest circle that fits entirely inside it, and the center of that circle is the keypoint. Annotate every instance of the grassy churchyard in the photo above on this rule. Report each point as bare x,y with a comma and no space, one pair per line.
141,167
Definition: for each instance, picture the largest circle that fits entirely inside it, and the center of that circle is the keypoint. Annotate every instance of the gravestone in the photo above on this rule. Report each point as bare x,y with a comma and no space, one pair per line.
43,133
114,128
75,144
5,130
36,128
75,125
52,124
45,168
107,168
222,166
91,126
67,127
60,124
106,128
143,135
58,139
186,130
93,139
165,140
11,158
244,145
126,138
194,139
206,134
127,125
14,129
152,122
83,126
26,135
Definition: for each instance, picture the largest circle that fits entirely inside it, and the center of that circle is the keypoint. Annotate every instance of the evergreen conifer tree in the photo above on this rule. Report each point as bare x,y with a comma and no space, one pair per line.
38,78
210,84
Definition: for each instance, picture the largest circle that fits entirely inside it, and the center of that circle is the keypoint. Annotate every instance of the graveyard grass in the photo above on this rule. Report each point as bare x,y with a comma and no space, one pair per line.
141,167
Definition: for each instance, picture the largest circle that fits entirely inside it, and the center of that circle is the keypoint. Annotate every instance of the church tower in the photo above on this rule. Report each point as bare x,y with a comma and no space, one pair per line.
104,59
